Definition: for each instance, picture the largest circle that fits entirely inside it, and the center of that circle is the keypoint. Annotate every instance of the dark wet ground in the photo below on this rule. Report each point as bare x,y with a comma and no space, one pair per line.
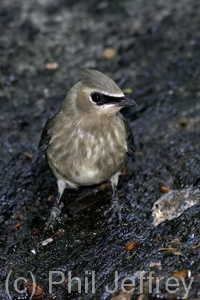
158,46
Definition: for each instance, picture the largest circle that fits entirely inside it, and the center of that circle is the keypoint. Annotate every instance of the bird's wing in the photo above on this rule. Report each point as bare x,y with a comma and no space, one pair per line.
129,136
47,133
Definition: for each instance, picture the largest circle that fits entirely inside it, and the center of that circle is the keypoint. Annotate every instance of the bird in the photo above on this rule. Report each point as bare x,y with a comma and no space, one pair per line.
87,140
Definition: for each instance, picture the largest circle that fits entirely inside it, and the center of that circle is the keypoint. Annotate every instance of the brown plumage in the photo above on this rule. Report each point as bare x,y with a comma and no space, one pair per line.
87,139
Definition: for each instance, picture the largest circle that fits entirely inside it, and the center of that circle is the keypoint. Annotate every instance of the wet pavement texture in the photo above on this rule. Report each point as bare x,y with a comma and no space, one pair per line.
156,60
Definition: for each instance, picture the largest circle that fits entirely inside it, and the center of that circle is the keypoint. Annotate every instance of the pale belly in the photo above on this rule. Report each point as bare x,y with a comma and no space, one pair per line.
92,157
80,170
92,174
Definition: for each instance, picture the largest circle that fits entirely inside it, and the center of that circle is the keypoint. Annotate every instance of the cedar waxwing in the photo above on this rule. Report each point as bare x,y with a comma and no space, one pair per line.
87,139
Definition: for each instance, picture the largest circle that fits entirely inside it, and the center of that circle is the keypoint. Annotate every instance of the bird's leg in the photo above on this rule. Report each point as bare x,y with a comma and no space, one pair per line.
57,208
114,204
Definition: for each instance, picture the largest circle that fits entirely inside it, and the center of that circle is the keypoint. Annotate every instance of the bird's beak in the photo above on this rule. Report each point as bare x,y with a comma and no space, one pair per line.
126,102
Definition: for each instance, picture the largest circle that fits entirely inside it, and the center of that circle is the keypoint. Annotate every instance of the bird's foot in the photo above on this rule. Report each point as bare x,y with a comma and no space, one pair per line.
54,217
115,209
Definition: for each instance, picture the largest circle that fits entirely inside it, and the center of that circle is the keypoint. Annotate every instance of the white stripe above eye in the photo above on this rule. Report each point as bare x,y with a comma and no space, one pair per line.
89,90
112,95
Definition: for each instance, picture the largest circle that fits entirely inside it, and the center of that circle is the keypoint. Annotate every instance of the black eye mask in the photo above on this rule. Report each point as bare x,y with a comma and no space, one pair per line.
101,99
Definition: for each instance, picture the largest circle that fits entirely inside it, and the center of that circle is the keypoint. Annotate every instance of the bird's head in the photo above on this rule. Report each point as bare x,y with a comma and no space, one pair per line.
97,93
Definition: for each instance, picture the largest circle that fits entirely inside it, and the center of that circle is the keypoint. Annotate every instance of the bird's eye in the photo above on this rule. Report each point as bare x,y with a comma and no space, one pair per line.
96,97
